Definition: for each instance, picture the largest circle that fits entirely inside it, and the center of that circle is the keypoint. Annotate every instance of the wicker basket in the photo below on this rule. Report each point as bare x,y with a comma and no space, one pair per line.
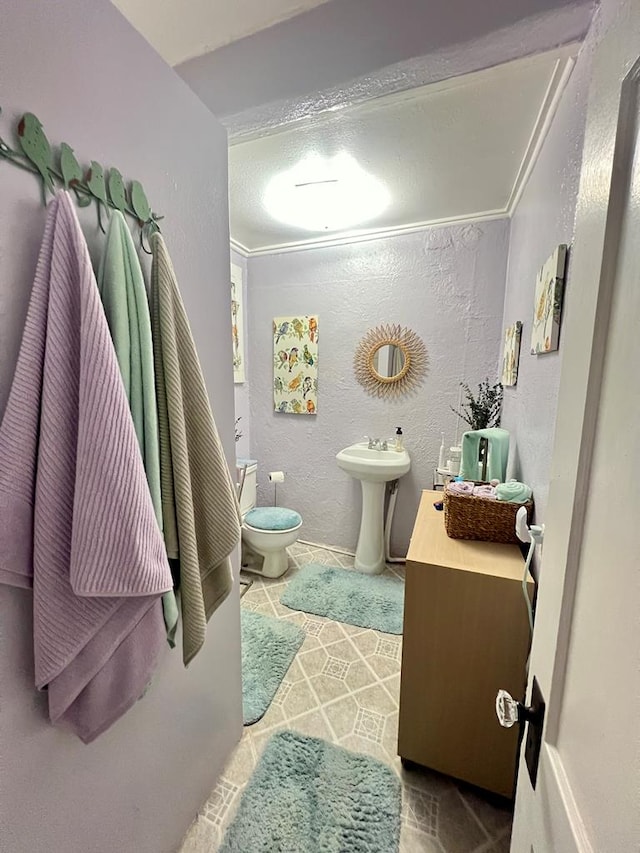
484,519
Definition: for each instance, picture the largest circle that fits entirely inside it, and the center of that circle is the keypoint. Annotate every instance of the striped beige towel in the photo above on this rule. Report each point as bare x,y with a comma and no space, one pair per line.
200,509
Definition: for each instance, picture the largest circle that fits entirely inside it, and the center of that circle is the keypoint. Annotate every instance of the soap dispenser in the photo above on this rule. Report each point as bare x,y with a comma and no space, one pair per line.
399,440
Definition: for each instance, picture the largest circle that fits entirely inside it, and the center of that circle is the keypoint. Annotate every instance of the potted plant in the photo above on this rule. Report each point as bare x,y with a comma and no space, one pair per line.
482,411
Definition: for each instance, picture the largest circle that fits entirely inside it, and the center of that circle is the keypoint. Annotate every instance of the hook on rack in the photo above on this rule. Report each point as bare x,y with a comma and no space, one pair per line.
34,153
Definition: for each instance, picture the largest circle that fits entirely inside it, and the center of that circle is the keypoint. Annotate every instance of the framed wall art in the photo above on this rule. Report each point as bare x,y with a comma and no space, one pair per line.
545,333
295,365
237,324
511,354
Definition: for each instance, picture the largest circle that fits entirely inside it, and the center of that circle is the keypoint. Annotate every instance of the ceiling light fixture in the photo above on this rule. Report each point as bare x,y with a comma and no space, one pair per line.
325,194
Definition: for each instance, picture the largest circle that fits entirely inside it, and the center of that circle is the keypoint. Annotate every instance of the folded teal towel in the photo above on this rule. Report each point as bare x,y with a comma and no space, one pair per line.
126,307
470,468
513,492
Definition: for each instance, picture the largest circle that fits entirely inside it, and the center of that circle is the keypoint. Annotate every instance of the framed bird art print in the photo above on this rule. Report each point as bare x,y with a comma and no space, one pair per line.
295,365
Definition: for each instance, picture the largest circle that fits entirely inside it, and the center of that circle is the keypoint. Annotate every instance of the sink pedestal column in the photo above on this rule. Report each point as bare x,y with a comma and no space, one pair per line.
370,550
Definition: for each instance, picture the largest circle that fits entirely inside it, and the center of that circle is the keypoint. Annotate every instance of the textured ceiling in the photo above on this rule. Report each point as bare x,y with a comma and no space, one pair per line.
450,150
182,29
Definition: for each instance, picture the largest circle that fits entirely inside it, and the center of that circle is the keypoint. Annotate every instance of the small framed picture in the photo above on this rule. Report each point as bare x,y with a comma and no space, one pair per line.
237,324
511,354
545,333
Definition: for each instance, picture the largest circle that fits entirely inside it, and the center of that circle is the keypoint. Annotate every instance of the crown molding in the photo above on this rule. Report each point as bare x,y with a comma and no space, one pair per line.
238,247
542,124
364,236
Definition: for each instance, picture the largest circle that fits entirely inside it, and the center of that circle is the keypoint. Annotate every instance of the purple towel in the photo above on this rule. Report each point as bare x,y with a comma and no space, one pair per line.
77,521
464,488
485,491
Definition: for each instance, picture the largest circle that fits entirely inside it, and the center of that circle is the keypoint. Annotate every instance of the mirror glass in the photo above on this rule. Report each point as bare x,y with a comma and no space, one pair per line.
388,361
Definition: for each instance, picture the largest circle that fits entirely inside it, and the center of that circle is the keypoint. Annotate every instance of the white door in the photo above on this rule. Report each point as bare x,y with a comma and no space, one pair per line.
586,647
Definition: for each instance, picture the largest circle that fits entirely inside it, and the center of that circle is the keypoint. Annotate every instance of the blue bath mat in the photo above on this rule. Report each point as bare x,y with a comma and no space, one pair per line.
268,647
369,601
307,795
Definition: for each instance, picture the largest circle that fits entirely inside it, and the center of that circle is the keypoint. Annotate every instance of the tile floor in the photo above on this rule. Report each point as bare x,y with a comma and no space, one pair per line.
344,686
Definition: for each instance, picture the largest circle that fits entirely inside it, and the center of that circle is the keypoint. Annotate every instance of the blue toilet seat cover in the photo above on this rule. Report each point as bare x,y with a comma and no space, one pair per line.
273,518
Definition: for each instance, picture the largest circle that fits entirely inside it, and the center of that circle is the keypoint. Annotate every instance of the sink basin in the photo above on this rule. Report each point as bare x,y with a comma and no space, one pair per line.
374,469
376,466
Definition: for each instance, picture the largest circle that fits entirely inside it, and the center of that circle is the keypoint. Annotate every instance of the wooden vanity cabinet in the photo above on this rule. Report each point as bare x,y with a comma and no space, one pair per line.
466,634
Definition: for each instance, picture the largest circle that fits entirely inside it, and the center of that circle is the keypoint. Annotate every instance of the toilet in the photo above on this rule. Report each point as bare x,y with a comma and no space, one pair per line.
267,531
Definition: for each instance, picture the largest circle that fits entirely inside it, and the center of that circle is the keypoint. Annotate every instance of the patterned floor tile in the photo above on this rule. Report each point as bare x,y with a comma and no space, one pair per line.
274,590
202,837
313,724
295,671
458,830
336,668
369,725
342,715
299,700
390,736
382,652
344,686
312,627
344,560
328,689
220,801
352,630
359,676
413,841
357,743
273,719
375,698
502,845
331,633
494,813
241,764
283,692
420,811
430,781
388,648
393,685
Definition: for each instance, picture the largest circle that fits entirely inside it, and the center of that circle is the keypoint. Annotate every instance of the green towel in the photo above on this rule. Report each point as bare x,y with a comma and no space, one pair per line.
126,306
513,492
470,468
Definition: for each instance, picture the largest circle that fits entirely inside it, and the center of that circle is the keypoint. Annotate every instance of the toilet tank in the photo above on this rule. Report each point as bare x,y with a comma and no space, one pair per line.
249,489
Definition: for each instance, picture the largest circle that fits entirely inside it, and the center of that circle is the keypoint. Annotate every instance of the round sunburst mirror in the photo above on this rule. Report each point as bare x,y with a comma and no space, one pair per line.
390,360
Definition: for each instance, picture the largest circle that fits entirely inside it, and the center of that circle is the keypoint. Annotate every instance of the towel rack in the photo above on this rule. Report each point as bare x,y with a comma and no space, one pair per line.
58,165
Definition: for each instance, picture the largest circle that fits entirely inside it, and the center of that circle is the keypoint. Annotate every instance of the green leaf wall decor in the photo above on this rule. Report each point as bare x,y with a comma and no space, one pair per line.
33,153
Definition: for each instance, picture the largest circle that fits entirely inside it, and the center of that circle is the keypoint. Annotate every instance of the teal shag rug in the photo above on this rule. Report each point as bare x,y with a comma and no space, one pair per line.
307,796
268,647
369,601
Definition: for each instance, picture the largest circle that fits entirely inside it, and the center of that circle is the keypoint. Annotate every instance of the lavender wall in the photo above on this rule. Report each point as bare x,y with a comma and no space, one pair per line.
448,285
543,218
241,390
95,83
343,40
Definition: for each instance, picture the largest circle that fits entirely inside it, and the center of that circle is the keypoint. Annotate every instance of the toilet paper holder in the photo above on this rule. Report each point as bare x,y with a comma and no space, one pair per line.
276,477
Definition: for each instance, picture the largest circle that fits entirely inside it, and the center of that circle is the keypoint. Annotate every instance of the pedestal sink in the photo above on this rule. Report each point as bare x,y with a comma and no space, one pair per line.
374,468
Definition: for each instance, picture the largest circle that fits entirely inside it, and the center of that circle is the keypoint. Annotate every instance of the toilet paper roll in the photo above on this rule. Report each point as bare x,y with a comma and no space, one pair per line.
276,476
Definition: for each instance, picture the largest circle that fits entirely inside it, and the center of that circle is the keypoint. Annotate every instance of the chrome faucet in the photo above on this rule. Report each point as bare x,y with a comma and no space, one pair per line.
377,444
